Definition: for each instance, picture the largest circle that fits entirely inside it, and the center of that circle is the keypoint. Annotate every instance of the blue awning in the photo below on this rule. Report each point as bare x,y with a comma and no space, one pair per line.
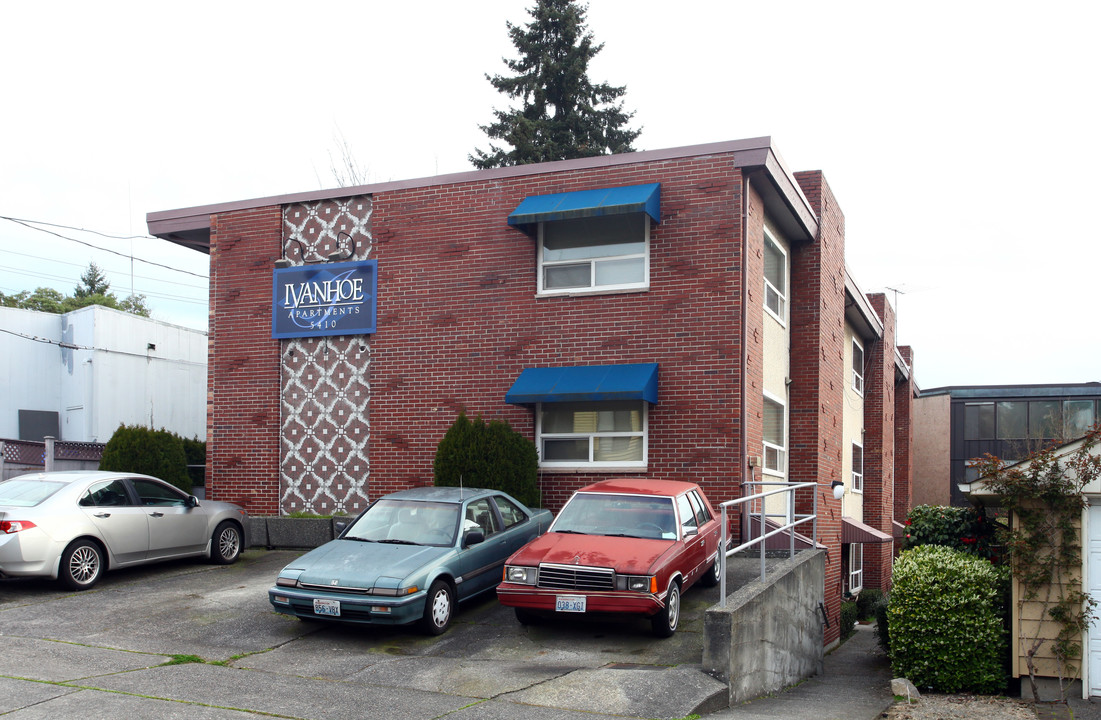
585,382
588,203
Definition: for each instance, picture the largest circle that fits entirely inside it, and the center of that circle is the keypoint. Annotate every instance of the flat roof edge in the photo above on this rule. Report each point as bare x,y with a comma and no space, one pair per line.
750,152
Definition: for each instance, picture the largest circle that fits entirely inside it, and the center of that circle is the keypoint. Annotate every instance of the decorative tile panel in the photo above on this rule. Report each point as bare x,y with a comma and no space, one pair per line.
325,382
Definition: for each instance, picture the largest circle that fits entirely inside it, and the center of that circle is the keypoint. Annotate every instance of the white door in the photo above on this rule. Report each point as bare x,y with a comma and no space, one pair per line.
1093,587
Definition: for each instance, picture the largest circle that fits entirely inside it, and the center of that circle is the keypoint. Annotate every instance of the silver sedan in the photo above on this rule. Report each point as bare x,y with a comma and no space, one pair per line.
73,526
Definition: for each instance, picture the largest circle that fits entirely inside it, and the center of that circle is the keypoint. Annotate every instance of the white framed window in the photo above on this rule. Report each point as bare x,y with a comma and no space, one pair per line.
858,367
593,254
856,567
776,278
592,434
858,468
774,417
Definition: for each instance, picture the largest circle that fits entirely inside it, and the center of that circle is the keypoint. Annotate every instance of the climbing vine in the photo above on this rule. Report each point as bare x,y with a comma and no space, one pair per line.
1043,497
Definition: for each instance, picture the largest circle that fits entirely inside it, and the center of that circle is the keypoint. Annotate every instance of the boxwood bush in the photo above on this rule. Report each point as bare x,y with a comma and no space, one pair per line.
488,455
946,615
137,449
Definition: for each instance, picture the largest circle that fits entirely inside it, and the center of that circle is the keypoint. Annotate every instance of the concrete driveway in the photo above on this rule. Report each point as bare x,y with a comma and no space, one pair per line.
105,653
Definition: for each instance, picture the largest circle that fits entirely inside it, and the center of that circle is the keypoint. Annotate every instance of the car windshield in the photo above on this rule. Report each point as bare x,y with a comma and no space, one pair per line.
27,493
613,514
407,522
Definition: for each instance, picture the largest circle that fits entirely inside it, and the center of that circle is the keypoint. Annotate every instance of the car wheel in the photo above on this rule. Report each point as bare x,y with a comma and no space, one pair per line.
526,617
225,544
81,565
664,624
711,577
438,608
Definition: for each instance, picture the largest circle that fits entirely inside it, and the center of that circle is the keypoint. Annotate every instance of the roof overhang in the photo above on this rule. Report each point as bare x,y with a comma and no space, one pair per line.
784,200
854,531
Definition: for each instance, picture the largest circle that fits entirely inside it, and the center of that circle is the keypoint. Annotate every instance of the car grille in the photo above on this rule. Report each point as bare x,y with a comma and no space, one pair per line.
334,588
572,577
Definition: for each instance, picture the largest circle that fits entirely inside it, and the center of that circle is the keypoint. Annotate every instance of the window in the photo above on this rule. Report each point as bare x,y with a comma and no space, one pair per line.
479,516
1079,417
510,512
687,514
605,252
858,468
703,516
978,421
1012,420
856,567
858,366
594,434
155,493
774,436
776,278
1045,419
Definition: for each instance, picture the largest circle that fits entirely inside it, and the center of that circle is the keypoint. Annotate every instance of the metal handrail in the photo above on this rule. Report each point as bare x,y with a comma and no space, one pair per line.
793,520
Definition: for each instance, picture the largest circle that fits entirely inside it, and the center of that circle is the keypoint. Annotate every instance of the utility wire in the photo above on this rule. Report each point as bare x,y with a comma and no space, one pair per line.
73,346
163,296
78,265
27,224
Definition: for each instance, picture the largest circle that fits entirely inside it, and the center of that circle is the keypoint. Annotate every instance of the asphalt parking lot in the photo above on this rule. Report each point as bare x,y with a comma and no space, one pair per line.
109,653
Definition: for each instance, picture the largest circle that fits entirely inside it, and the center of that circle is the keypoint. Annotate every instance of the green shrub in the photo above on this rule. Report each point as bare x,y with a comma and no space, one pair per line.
946,620
849,613
137,449
965,529
866,602
488,455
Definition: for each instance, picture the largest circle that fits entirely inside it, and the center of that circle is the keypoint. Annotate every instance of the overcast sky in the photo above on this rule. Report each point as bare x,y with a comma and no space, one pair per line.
960,138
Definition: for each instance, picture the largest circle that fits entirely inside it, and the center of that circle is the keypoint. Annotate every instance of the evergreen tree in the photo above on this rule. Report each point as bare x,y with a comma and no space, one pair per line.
564,115
93,282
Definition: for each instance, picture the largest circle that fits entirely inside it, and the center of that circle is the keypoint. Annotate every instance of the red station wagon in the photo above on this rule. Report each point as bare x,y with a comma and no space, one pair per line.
619,546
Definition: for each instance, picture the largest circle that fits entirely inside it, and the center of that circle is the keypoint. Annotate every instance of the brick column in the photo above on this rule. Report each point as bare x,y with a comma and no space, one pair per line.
817,369
879,445
904,439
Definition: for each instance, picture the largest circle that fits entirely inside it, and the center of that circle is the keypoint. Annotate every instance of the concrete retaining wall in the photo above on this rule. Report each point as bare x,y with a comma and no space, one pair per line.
769,635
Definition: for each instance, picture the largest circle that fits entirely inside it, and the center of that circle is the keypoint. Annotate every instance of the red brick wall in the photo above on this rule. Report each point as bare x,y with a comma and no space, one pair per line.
243,367
904,439
458,321
817,372
879,446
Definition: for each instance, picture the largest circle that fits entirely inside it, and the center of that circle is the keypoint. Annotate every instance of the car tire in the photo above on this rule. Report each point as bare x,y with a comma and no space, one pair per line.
526,617
225,543
711,578
81,565
439,606
664,624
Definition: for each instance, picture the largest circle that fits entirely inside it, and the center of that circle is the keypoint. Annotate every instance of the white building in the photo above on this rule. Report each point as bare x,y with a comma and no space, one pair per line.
78,376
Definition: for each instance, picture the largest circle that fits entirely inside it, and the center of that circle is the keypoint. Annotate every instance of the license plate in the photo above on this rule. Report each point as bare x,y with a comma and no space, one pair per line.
326,607
569,603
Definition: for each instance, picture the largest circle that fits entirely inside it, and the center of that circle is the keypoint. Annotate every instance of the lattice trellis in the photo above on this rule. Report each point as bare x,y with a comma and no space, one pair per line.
325,386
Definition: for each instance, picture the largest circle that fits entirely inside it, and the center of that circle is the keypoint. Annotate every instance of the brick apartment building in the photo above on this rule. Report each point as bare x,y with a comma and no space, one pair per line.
682,313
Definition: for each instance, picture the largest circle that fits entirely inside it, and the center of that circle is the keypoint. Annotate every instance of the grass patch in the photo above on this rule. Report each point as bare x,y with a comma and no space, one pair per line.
184,660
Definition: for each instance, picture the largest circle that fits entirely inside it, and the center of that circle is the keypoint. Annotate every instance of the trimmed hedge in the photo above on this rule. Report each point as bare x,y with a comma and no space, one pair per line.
137,449
490,455
849,616
946,615
966,529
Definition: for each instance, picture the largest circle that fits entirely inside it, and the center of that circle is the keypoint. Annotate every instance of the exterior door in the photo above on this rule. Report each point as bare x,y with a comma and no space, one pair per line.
1093,587
174,528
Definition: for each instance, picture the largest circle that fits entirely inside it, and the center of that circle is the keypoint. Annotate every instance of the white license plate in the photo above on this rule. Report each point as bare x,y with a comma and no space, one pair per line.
327,607
569,603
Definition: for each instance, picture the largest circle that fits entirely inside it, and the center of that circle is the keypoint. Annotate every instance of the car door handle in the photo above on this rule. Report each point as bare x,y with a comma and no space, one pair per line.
156,514
103,514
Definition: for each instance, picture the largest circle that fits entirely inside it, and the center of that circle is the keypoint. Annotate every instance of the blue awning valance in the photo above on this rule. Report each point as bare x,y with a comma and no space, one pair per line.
588,203
585,382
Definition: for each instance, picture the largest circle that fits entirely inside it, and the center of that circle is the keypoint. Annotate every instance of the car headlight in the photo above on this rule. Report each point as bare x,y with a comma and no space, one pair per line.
637,583
286,582
521,575
394,592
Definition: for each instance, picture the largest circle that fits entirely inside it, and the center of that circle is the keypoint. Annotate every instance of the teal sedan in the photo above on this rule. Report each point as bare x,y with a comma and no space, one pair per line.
410,557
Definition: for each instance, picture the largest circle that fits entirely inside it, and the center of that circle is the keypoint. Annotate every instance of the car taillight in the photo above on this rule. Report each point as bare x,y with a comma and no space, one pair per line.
14,526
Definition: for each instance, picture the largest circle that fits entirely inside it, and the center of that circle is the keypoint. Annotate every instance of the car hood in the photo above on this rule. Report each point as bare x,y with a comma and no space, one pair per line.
355,564
630,556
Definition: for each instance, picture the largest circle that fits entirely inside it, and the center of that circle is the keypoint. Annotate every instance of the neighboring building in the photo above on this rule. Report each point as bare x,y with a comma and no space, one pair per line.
1032,610
953,425
673,313
79,375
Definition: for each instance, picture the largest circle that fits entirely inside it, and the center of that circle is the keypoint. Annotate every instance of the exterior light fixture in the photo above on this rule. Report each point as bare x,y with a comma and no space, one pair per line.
838,489
338,255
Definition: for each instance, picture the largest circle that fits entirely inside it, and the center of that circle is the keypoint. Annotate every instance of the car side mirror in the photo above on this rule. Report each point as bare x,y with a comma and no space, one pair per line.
473,537
192,501
691,530
340,526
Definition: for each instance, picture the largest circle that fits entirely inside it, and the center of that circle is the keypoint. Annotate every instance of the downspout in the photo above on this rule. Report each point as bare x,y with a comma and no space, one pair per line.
746,470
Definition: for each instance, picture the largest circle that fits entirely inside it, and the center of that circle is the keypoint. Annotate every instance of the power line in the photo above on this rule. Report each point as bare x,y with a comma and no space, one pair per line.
163,296
73,346
27,224
78,265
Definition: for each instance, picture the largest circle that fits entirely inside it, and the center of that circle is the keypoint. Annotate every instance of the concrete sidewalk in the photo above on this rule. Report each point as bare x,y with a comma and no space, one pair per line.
855,684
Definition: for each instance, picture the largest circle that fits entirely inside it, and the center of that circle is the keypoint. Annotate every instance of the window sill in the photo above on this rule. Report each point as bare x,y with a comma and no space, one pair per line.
592,470
592,291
